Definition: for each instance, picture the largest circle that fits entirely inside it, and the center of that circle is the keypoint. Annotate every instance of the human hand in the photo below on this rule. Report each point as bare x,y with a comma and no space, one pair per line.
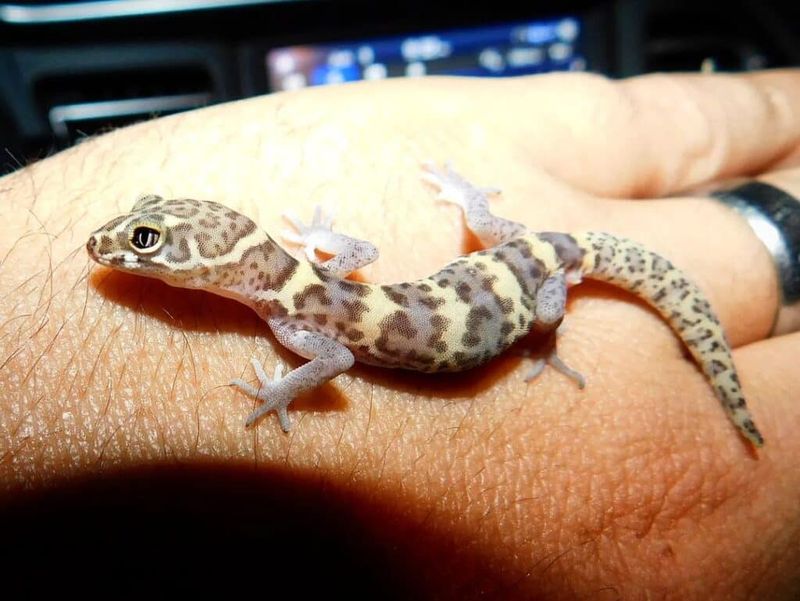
475,484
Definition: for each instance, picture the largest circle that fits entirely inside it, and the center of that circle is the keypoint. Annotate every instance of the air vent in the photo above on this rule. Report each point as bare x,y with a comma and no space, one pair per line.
79,105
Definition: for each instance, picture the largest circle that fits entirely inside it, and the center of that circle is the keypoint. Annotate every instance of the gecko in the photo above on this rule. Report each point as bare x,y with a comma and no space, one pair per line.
457,319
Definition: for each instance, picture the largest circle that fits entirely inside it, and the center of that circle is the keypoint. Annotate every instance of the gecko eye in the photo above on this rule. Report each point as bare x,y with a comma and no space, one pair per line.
145,238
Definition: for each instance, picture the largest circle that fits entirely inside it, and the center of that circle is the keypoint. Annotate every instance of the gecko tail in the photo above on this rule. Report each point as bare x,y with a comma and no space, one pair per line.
630,266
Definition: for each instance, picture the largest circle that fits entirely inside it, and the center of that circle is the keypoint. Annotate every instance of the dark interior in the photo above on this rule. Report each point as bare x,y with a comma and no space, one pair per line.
69,70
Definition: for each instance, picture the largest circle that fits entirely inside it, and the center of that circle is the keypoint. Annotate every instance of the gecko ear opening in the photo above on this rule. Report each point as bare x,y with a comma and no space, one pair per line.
146,200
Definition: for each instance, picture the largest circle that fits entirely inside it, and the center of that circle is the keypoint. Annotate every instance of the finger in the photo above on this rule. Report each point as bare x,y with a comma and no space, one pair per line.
658,134
787,180
771,380
712,127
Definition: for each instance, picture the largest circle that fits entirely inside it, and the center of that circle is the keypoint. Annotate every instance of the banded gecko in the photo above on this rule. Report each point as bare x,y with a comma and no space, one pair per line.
456,319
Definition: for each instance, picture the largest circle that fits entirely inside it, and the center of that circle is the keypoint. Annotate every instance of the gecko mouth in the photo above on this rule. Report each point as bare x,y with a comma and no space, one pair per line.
116,261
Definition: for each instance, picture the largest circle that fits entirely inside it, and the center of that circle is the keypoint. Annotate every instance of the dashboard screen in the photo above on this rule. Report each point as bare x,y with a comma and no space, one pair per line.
499,50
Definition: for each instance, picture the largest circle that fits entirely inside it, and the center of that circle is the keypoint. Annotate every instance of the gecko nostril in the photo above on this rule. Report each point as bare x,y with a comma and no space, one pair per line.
91,244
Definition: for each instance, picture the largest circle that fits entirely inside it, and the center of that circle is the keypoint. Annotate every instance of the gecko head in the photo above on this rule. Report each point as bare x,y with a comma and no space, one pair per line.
179,241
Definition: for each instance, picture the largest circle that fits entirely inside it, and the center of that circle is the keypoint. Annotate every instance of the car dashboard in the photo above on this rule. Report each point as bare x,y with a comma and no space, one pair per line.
71,70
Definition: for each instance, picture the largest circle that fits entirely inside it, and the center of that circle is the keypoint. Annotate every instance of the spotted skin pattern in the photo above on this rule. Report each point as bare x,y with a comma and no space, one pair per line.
458,318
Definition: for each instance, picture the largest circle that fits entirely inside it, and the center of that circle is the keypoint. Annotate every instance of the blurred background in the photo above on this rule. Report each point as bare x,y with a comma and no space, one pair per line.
72,69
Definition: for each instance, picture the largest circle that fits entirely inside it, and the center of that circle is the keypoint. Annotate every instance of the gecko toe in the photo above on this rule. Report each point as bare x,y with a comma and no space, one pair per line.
556,362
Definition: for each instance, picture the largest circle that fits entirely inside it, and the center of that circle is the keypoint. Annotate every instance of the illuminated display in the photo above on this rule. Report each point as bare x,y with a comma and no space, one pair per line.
502,50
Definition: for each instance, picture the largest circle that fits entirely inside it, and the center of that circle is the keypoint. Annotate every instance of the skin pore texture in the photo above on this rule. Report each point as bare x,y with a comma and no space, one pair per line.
472,485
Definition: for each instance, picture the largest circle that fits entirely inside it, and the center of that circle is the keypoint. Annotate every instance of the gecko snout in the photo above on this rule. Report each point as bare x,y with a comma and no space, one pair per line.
91,245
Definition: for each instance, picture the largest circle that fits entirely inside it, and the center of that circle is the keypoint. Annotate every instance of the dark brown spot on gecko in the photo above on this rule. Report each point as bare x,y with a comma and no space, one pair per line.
506,305
523,248
281,277
317,291
354,288
465,361
522,270
321,274
432,302
276,309
660,265
716,367
397,323
439,323
487,283
355,309
475,316
354,334
396,297
569,253
416,358
463,291
183,256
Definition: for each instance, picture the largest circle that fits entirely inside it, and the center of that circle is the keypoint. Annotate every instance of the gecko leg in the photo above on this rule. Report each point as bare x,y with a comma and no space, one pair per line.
328,358
553,360
348,253
551,302
490,229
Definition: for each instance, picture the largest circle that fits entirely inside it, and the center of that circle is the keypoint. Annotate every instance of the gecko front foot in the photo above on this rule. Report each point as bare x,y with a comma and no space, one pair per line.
270,392
348,253
310,237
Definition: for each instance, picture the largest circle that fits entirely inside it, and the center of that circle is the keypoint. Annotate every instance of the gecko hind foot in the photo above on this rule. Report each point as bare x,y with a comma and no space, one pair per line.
450,186
554,361
267,393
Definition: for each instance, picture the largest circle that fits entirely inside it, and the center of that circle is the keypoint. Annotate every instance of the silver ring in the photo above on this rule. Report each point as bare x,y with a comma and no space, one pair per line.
774,216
